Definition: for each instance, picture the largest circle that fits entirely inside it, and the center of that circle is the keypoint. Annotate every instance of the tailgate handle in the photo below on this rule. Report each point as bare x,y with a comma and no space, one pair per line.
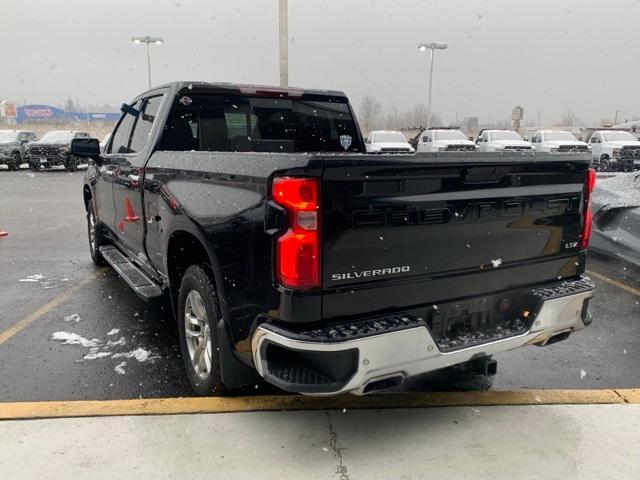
484,175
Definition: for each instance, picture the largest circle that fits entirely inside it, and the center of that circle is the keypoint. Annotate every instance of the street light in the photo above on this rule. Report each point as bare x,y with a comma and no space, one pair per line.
148,40
431,47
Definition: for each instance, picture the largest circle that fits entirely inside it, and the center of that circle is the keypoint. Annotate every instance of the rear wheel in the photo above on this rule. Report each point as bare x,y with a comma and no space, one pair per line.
96,239
35,167
15,161
198,317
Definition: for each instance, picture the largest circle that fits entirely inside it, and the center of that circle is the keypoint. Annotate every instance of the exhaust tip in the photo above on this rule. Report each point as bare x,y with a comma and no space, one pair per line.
558,337
383,384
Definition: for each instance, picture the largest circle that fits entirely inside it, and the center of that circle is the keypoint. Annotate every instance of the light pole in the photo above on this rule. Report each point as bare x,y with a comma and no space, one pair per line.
148,40
431,47
283,30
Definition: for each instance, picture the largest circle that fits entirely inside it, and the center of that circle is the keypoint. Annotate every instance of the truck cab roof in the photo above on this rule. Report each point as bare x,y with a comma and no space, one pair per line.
244,89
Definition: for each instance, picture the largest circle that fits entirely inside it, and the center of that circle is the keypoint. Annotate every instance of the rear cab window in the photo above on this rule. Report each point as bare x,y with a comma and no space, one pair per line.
242,123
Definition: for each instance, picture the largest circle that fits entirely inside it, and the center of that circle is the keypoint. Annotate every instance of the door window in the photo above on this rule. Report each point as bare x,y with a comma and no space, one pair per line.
142,128
122,133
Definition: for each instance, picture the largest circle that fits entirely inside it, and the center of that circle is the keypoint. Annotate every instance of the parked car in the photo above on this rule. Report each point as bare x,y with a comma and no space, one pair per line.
12,145
288,254
444,140
616,217
615,150
557,141
502,140
387,141
54,149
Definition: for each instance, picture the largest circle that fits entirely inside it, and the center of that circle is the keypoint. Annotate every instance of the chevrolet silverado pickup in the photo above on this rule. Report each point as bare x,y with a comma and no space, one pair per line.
53,149
287,253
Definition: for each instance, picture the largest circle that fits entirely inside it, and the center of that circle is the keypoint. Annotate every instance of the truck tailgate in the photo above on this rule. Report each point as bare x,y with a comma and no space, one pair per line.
432,226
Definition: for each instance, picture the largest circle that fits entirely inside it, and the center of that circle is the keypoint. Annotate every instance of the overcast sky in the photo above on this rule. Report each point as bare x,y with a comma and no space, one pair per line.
546,55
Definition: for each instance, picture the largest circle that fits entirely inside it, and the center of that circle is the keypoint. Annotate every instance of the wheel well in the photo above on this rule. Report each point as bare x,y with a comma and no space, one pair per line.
183,251
604,157
86,193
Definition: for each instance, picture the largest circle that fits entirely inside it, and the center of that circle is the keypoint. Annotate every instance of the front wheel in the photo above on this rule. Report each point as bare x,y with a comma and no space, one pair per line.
15,161
605,164
96,240
71,164
198,317
34,166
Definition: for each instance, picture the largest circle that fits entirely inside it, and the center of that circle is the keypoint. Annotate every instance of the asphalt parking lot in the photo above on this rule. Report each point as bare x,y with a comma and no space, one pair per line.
71,331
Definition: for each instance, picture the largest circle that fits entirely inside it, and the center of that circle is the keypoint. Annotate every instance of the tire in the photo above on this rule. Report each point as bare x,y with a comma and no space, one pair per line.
96,239
605,164
198,317
71,165
34,167
15,161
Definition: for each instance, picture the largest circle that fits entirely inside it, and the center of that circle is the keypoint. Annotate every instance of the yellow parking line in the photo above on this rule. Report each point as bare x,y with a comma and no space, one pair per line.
168,406
615,283
32,317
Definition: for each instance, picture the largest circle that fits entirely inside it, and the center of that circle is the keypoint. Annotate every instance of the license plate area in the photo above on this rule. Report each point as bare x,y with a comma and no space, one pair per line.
43,161
466,323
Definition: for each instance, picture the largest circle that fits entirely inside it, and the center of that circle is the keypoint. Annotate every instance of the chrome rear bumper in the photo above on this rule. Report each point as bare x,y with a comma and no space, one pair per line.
403,353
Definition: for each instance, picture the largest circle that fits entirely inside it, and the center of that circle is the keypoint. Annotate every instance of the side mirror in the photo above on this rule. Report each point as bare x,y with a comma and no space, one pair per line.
366,140
125,108
85,147
470,139
525,139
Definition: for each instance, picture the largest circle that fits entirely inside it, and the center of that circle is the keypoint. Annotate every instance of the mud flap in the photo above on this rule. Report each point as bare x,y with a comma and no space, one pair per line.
235,373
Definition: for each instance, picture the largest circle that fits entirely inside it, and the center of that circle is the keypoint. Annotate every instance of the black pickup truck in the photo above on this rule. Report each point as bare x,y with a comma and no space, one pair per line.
289,253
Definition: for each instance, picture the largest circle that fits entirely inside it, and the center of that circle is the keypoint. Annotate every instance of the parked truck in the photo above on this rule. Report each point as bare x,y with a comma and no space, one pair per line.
615,150
288,254
12,147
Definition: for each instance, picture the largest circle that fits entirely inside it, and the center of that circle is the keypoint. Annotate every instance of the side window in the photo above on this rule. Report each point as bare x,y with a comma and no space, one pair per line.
122,133
210,123
142,128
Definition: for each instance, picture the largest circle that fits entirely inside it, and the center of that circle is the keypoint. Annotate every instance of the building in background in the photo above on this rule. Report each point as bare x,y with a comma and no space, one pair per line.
49,114
8,112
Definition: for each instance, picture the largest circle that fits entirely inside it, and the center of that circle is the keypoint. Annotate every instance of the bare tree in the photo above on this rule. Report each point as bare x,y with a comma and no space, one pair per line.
570,119
369,113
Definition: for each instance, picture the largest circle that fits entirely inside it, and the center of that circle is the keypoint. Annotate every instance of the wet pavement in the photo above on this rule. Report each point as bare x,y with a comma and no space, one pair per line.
103,342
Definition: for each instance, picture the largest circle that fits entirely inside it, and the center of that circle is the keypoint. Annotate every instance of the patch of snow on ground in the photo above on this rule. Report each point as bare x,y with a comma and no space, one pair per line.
120,368
582,374
114,331
32,278
496,263
69,338
94,355
140,354
74,317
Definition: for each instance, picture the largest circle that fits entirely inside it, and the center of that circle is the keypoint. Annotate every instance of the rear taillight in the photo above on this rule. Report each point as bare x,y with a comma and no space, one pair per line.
298,249
588,216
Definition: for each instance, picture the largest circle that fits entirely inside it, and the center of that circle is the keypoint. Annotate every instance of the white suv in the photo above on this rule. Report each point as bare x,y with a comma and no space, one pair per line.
615,150
557,141
387,141
502,140
444,140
